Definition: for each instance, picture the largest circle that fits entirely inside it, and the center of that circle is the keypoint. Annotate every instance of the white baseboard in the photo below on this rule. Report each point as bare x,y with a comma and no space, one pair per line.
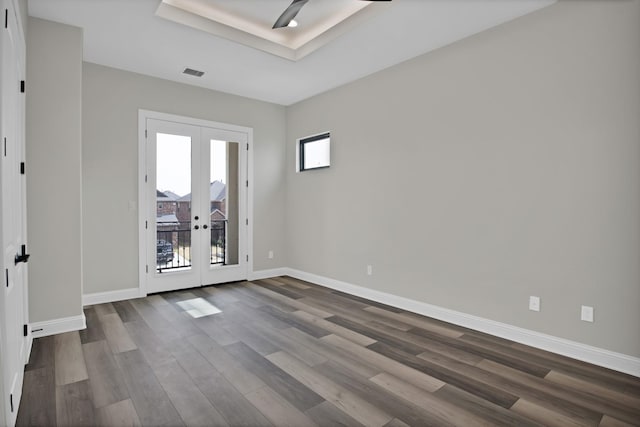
267,274
597,356
110,296
58,326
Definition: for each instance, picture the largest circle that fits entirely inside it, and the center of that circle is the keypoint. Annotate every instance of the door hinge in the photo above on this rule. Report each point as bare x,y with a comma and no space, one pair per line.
247,146
5,146
21,168
6,18
21,86
145,133
6,276
25,330
11,401
146,225
247,221
247,183
247,258
146,178
146,268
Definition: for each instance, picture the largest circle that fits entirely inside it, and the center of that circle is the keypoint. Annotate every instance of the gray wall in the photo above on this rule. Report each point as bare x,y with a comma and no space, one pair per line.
54,208
111,99
502,166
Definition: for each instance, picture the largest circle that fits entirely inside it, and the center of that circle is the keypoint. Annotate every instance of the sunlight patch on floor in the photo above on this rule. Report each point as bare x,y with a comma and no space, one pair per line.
198,307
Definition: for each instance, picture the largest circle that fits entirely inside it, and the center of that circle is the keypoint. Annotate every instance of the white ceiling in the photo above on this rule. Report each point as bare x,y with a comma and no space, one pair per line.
127,34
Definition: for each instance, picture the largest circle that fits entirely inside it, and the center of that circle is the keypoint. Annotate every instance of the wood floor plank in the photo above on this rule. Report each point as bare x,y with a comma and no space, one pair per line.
117,335
93,331
596,390
103,309
428,401
419,323
194,408
287,386
396,423
328,414
294,304
608,421
298,284
494,414
151,402
254,339
378,396
224,363
484,352
348,402
546,416
42,353
74,405
155,350
161,326
215,327
386,364
378,334
69,359
126,311
455,377
233,406
277,409
338,355
107,384
559,397
283,342
291,320
38,403
334,328
625,383
119,414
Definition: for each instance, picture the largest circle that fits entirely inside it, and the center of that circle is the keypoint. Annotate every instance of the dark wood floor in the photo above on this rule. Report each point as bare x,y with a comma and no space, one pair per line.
288,353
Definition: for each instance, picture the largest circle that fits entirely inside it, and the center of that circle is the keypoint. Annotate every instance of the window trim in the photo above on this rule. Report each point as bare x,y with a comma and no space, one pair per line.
300,149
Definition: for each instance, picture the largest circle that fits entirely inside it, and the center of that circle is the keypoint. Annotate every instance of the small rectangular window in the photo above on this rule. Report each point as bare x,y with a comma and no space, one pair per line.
314,152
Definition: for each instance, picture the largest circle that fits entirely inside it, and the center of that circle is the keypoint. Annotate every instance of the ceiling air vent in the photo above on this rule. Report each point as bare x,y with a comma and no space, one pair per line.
192,72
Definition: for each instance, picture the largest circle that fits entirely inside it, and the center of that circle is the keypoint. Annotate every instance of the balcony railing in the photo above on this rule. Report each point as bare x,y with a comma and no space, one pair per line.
173,246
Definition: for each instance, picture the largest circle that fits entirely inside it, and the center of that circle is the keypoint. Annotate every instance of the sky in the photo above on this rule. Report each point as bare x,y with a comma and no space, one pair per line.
173,157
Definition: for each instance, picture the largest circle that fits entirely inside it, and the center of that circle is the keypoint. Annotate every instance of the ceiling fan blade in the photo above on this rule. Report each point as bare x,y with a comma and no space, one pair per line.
289,13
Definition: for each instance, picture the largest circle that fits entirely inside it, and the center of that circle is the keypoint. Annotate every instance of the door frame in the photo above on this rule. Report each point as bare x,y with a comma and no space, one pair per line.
143,116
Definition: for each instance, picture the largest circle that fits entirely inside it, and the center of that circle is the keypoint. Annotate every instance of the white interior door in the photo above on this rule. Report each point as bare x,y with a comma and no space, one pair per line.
196,193
13,305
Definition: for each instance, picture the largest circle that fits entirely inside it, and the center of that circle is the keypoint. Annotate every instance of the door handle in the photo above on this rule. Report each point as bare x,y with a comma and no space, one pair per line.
22,257
197,227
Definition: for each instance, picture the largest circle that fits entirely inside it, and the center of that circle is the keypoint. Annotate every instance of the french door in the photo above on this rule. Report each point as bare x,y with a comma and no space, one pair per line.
196,211
14,331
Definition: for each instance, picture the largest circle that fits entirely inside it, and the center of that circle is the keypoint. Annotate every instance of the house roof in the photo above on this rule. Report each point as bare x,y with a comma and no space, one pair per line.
170,219
217,192
166,196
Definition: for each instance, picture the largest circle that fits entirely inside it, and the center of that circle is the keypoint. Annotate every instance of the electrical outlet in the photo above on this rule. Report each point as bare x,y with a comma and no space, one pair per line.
534,303
369,270
586,313
270,255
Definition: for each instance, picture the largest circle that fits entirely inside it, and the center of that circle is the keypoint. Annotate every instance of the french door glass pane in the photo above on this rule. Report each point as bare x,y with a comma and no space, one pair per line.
173,202
223,202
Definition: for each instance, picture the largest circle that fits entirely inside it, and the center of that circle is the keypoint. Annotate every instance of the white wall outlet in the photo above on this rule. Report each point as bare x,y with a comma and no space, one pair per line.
369,270
534,303
270,255
586,313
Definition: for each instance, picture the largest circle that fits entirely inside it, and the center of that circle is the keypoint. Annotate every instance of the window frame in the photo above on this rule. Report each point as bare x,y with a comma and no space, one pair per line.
300,149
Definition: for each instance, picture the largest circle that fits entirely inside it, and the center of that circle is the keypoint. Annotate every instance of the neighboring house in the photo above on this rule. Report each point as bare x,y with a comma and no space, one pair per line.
165,203
217,195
